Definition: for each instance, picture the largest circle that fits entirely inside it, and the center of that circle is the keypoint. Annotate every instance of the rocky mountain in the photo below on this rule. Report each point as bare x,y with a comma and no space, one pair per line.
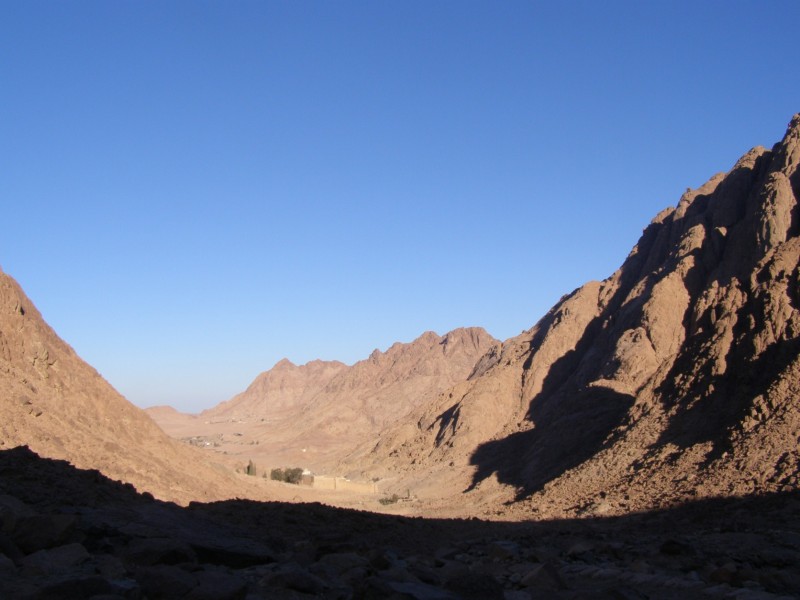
284,387
675,378
319,412
383,388
59,406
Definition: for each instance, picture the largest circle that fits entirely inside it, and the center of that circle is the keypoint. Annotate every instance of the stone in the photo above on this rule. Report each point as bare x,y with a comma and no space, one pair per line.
722,574
424,573
580,548
87,586
343,562
381,559
516,595
475,586
304,552
7,565
218,585
503,549
164,581
55,560
294,577
544,576
452,570
39,532
675,548
420,591
155,551
234,553
9,548
109,566
12,509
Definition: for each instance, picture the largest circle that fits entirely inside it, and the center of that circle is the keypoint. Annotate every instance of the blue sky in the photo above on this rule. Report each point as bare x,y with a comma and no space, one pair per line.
193,190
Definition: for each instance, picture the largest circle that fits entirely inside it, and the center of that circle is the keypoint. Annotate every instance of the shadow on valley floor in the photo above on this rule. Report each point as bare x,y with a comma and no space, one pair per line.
68,532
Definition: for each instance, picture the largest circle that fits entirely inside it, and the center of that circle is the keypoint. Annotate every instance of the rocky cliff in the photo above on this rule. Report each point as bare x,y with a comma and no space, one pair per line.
676,377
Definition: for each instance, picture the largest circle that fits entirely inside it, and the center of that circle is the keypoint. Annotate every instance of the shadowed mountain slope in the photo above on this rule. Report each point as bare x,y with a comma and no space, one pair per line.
58,405
678,376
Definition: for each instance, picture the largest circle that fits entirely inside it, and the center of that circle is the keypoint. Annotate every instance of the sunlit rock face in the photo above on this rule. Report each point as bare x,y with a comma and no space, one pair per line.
59,406
677,377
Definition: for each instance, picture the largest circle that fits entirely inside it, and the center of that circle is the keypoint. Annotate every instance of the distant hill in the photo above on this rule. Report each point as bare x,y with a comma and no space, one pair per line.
677,377
319,412
59,406
285,386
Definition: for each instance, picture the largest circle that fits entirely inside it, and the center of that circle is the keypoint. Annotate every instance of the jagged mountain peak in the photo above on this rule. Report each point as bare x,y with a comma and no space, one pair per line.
284,363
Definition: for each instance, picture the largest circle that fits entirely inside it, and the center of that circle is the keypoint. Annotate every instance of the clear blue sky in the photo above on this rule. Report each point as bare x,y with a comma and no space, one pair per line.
191,191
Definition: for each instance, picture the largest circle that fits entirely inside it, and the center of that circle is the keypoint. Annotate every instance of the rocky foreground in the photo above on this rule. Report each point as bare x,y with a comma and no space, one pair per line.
71,533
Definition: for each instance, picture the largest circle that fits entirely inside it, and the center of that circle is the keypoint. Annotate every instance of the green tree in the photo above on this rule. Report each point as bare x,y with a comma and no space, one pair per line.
288,475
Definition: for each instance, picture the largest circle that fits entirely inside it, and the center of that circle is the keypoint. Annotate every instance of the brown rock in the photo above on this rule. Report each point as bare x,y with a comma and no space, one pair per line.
55,560
154,551
294,577
503,550
343,562
165,581
39,532
218,585
11,509
7,565
475,586
419,591
543,577
9,548
87,586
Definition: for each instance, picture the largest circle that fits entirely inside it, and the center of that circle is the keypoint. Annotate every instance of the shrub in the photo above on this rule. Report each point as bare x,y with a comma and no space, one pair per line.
293,475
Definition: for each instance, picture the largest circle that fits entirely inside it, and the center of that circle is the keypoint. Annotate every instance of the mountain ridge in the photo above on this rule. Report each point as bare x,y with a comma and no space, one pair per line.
59,406
642,355
315,414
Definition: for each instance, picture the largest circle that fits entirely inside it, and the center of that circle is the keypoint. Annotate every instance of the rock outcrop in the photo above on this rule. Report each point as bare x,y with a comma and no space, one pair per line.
676,377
